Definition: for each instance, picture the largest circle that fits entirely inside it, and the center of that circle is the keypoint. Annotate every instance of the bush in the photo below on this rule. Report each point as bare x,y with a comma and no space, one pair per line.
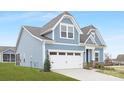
99,66
47,65
87,66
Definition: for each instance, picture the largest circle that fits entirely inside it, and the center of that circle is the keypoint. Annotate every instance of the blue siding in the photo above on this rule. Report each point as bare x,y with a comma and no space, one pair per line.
97,40
63,47
101,53
61,40
29,46
66,20
49,35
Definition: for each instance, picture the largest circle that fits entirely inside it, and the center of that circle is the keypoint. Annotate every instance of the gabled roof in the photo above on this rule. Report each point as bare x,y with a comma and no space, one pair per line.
36,32
85,30
120,57
3,48
52,23
86,34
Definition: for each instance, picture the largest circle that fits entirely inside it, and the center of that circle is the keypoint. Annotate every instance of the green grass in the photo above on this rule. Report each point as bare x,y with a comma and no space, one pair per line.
117,72
11,72
113,73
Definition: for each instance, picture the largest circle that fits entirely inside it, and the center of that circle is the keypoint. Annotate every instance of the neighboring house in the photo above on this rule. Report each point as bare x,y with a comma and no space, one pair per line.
7,54
67,45
119,60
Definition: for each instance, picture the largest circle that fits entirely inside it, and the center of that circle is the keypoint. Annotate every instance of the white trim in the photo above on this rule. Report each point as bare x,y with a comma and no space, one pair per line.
98,55
8,49
66,25
32,34
100,37
43,53
67,44
73,21
24,29
92,39
56,50
90,31
89,47
53,35
98,34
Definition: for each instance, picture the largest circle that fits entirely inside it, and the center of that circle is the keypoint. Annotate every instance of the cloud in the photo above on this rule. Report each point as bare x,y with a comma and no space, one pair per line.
43,16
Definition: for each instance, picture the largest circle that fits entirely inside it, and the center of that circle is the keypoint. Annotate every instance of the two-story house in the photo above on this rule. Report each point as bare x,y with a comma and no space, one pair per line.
67,45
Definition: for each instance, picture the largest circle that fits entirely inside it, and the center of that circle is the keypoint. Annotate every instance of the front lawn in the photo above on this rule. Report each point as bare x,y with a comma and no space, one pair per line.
11,72
117,71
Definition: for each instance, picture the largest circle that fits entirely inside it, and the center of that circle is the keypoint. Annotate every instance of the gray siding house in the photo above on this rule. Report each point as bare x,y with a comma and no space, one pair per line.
67,45
7,54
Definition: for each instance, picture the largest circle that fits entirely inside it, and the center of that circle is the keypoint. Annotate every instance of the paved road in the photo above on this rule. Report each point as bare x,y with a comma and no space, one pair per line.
87,75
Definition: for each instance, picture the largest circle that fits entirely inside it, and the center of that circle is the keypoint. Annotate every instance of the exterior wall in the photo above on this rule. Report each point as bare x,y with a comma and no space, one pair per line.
66,20
0,57
57,38
97,40
30,50
49,35
63,47
101,52
89,41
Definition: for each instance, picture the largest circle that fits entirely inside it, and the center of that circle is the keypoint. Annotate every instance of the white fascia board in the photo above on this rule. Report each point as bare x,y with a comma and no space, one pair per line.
90,31
72,19
57,50
87,39
32,34
100,37
47,31
8,49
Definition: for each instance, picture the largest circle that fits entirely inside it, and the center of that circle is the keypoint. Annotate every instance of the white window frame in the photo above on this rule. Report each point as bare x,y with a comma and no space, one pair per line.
98,55
67,25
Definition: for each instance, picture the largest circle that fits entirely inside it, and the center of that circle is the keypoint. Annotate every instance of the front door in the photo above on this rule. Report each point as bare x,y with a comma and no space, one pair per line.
88,55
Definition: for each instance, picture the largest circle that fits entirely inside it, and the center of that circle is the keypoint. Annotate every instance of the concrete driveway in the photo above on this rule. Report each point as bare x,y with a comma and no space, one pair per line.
87,75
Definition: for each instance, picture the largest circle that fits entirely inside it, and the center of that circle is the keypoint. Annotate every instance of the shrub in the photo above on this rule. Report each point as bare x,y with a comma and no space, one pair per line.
99,66
47,65
87,66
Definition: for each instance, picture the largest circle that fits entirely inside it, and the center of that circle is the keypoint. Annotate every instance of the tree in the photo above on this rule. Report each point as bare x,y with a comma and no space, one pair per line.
47,64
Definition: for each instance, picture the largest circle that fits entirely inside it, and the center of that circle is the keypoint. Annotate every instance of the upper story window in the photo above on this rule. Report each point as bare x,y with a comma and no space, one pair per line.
66,31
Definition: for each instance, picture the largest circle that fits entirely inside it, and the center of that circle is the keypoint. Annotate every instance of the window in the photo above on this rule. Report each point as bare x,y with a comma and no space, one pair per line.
67,31
96,57
63,31
77,54
70,32
70,53
61,53
53,53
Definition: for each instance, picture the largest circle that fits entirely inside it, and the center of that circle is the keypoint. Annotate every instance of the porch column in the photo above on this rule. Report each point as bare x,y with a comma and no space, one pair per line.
9,57
2,57
93,54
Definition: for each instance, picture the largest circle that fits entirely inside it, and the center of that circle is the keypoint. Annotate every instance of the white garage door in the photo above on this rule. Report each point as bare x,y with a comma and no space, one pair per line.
65,59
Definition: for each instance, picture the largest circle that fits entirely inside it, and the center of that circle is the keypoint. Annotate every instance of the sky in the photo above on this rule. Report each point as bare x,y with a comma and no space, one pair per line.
110,25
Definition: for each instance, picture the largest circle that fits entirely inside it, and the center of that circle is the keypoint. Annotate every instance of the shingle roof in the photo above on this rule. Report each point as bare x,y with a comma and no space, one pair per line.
3,48
52,23
85,30
36,32
120,57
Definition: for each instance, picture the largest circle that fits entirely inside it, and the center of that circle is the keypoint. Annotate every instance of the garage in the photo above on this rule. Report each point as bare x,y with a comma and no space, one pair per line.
66,59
